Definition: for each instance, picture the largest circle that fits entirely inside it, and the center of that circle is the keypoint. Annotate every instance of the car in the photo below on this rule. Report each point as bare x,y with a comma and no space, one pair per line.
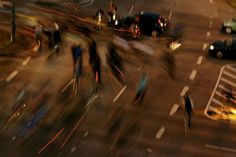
151,24
223,49
229,26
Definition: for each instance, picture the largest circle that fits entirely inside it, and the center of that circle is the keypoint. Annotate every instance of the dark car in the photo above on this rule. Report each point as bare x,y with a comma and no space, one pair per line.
223,49
149,23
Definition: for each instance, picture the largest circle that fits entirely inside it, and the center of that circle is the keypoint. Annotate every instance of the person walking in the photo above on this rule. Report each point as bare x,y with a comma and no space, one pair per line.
77,54
188,104
38,37
115,62
95,63
56,38
141,89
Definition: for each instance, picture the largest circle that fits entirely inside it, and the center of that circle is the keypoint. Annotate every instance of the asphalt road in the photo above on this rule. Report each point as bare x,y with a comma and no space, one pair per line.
139,132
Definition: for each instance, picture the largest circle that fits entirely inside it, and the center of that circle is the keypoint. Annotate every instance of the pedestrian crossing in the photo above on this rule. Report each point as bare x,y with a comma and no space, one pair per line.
219,107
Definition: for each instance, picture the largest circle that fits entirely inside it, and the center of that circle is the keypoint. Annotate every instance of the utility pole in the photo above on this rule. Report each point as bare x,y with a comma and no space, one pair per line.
13,22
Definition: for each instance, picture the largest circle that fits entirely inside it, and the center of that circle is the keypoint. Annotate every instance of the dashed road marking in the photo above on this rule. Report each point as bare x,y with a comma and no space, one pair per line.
211,1
170,14
149,150
193,74
184,91
11,76
174,109
208,34
160,133
119,94
220,148
26,61
73,149
199,60
204,46
131,9
210,24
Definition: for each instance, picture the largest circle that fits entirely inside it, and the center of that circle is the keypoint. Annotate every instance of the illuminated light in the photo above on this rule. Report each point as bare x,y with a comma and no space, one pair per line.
73,130
51,140
233,111
212,47
116,22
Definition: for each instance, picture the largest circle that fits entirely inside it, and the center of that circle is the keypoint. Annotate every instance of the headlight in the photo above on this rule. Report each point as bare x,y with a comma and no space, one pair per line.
212,47
114,17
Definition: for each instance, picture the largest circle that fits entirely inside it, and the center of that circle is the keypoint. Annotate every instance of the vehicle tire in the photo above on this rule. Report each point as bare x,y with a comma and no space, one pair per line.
219,54
154,33
228,30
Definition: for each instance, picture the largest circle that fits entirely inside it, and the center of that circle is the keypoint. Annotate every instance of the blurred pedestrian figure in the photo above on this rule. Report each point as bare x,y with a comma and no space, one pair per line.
141,89
134,28
38,37
188,104
56,38
98,18
115,63
77,54
112,9
49,32
95,63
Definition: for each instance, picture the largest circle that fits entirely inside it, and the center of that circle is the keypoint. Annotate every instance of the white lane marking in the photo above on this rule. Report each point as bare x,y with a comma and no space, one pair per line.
131,9
149,150
26,61
199,60
211,1
208,34
184,90
170,14
228,82
141,66
160,132
193,74
73,149
230,75
86,134
221,148
174,109
210,24
119,94
204,46
11,76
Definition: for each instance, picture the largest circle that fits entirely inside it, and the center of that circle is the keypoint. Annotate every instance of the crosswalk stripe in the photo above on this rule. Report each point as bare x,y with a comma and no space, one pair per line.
229,74
217,102
228,82
231,68
220,94
225,89
215,110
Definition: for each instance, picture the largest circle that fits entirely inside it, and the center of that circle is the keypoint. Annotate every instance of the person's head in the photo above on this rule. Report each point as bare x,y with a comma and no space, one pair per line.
56,26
